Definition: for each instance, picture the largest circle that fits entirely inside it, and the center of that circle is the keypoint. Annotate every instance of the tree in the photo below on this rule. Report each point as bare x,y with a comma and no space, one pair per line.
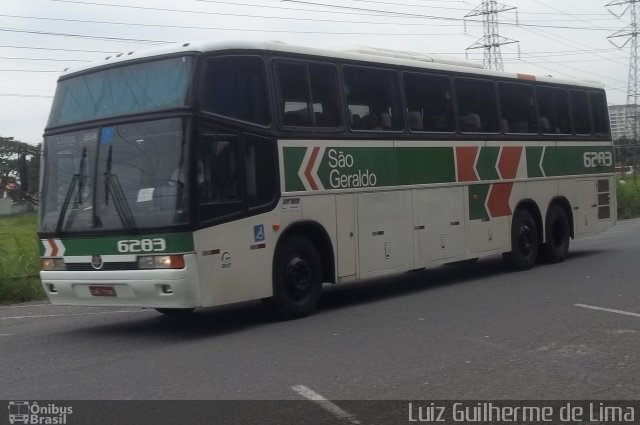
17,159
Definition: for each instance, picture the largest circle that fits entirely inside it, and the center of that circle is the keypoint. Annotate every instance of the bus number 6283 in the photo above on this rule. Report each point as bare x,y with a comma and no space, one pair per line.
142,245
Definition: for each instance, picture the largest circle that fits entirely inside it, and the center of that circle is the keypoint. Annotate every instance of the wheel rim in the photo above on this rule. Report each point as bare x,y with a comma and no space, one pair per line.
526,240
298,278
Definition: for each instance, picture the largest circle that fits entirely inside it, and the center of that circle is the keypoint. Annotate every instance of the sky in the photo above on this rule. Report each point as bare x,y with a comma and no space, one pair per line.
40,38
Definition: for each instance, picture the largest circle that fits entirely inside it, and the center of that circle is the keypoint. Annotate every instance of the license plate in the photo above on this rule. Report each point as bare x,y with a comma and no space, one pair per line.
103,291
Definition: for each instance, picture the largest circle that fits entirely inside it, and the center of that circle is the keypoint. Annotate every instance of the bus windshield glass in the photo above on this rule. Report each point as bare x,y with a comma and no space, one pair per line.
124,90
129,176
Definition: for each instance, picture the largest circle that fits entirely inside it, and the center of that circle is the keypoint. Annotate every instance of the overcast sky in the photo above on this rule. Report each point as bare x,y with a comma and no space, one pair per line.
40,38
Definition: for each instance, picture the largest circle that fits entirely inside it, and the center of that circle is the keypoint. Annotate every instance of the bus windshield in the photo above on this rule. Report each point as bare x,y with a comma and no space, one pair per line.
123,90
129,176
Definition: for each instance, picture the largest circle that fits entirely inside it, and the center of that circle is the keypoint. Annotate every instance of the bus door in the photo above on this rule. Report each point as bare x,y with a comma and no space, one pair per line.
237,183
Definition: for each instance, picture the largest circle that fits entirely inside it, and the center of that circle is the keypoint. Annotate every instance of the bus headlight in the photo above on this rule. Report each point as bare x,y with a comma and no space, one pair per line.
52,264
161,262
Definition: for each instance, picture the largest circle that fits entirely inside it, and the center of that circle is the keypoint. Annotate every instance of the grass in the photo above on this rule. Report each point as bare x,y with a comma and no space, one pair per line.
19,259
628,198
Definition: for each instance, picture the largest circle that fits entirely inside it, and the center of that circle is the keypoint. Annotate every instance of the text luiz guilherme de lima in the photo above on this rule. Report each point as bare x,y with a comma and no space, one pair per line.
487,412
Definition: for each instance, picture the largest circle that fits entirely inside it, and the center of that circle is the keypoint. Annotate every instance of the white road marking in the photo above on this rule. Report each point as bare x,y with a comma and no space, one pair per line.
36,316
6,334
610,310
326,404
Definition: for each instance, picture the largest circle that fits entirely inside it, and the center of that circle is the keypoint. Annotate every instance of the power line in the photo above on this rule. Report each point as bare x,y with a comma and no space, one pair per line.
379,13
556,62
367,1
160,9
209,27
582,71
43,59
28,70
564,41
9,46
243,30
226,14
94,37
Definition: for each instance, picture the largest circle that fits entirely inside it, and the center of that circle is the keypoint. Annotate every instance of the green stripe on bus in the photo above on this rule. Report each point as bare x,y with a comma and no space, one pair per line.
534,161
173,243
584,160
318,168
293,158
426,165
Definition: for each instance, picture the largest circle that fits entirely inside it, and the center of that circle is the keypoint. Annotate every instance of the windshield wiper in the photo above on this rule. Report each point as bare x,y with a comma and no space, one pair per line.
78,179
112,185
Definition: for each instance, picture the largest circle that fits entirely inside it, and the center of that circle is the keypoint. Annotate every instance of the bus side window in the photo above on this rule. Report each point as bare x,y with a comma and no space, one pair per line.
599,113
218,178
518,108
429,102
580,112
294,97
307,95
220,169
477,105
553,109
235,87
373,96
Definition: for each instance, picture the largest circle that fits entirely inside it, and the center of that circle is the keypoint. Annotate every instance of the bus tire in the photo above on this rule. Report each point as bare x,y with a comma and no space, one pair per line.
524,241
175,311
558,235
297,278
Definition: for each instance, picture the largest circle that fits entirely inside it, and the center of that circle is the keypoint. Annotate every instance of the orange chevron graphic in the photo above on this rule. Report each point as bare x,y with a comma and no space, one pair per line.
498,202
54,247
466,161
500,193
309,168
509,161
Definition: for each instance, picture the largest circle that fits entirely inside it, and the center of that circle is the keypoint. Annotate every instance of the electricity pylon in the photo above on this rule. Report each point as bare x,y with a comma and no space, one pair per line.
630,32
492,40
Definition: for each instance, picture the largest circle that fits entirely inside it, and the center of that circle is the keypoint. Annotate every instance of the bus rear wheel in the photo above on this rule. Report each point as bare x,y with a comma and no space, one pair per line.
297,279
524,241
558,235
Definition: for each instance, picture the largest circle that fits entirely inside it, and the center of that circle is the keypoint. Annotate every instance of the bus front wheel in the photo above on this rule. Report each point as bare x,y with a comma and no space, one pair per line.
558,234
524,241
297,279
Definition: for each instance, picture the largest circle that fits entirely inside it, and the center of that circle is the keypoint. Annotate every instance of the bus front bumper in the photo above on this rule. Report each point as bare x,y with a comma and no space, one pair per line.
158,288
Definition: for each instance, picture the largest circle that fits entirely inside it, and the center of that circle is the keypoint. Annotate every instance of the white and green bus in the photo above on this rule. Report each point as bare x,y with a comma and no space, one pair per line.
212,173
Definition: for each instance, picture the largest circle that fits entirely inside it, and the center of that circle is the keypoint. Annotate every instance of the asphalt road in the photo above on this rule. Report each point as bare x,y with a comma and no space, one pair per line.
563,331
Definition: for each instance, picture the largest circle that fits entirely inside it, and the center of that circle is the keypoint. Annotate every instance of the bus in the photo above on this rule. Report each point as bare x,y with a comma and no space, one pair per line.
210,173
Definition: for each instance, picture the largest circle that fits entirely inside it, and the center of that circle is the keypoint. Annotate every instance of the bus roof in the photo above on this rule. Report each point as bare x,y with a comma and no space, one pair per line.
353,53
